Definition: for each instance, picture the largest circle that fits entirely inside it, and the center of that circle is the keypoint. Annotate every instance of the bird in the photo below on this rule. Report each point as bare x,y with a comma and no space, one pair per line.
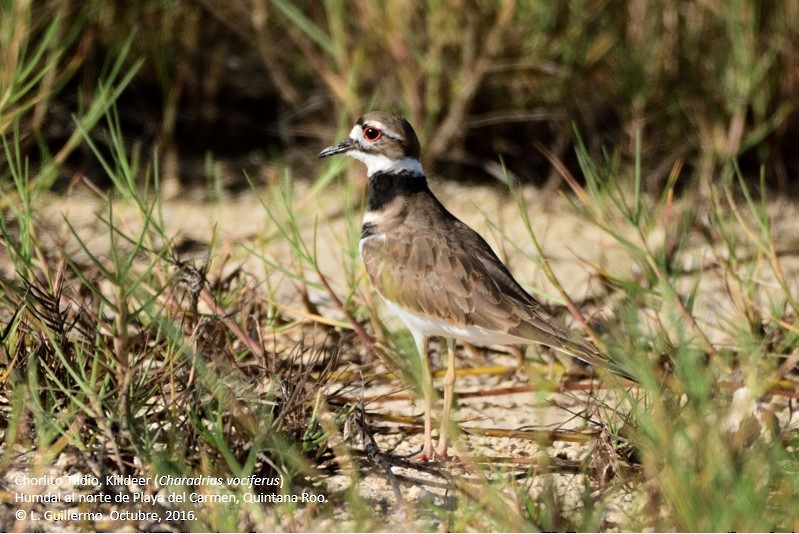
438,275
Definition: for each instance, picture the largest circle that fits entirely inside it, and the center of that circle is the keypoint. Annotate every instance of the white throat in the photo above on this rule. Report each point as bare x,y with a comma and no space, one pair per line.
379,163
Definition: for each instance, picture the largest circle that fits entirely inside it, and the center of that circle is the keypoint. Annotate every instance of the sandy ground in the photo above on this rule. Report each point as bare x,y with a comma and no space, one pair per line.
576,251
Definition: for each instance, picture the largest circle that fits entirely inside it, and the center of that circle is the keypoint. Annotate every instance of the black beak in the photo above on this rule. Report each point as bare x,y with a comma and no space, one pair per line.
344,146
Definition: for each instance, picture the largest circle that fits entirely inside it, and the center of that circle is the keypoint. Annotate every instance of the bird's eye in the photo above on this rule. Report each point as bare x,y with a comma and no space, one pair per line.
371,134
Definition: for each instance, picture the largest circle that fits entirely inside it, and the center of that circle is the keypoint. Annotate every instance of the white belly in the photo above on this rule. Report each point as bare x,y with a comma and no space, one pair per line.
423,326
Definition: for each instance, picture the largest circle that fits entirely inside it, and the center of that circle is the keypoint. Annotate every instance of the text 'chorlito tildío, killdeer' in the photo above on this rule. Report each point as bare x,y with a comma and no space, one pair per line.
436,273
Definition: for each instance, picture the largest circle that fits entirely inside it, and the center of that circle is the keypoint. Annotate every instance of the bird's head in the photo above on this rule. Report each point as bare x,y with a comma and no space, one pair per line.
384,142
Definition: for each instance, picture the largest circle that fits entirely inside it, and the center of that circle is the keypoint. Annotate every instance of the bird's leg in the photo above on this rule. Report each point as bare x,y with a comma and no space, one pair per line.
427,390
449,394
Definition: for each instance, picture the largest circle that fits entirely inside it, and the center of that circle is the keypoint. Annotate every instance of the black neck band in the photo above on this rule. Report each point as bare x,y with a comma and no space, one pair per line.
385,187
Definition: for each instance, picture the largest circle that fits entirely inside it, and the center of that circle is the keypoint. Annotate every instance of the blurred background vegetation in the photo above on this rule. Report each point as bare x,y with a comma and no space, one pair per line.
702,82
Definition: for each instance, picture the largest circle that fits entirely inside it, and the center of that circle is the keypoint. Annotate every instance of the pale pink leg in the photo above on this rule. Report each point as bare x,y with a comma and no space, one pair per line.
427,390
449,394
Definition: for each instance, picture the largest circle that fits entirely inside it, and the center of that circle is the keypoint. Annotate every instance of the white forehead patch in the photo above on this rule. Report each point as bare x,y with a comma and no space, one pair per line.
356,132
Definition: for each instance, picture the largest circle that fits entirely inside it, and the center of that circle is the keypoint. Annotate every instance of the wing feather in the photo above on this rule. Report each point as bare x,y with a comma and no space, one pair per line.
449,272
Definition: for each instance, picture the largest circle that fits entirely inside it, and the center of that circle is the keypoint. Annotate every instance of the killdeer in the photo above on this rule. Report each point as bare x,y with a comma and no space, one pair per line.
436,273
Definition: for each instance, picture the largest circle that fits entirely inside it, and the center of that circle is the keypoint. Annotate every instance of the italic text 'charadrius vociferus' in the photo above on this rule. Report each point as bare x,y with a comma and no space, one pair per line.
436,273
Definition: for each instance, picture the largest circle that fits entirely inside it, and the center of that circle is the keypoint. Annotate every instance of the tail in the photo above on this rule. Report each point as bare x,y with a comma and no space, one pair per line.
585,350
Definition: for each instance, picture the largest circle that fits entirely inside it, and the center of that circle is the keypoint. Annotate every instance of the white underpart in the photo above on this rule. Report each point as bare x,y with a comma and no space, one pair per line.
424,326
369,218
379,163
373,217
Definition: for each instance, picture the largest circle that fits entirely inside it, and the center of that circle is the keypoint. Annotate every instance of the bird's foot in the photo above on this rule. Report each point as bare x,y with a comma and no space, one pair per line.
441,452
429,453
422,456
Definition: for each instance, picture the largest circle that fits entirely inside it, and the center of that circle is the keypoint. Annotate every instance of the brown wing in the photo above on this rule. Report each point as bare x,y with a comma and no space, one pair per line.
450,272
